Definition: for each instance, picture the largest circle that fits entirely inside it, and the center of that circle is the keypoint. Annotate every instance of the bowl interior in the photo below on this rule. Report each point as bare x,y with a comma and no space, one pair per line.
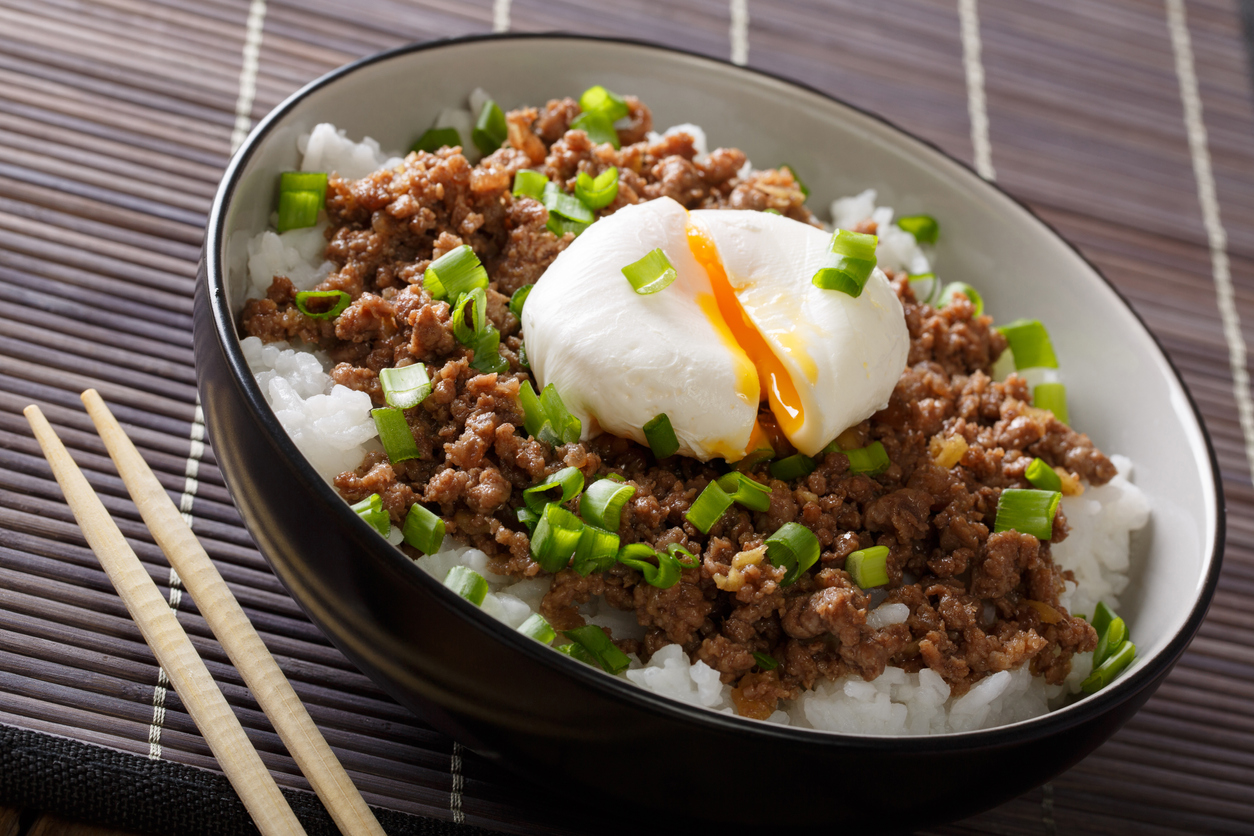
1121,389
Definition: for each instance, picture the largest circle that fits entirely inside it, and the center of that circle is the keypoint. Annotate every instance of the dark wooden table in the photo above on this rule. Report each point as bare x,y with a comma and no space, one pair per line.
1127,125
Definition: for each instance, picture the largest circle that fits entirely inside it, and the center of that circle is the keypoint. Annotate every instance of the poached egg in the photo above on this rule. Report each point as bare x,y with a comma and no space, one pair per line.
742,325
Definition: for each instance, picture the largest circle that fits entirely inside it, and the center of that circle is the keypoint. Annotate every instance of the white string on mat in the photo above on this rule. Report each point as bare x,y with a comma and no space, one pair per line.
977,108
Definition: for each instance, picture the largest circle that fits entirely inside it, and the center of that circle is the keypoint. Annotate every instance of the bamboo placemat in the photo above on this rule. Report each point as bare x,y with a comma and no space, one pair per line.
1128,125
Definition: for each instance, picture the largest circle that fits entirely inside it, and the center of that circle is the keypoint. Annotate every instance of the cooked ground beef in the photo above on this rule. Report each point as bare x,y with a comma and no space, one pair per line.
980,602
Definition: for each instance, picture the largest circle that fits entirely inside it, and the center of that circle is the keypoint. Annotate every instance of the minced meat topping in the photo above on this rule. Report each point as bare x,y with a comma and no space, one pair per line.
980,602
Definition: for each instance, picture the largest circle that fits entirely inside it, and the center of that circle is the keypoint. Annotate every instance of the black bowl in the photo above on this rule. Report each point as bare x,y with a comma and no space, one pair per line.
543,714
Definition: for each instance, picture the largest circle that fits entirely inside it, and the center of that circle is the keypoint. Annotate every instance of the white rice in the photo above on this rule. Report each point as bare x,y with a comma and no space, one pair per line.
332,426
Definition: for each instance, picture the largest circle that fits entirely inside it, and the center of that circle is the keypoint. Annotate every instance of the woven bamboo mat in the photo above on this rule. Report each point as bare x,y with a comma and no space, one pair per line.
116,119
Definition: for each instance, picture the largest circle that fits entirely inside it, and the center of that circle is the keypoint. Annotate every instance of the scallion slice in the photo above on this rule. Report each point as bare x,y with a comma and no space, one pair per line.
477,299
1029,341
596,551
868,567
555,539
851,263
1111,640
559,226
371,510
405,387
598,645
1027,511
661,435
546,417
528,518
566,426
488,358
490,128
664,574
690,561
577,651
1102,616
708,508
568,206
755,458
1042,476
467,583
519,299
537,627
599,100
1112,667
805,192
1052,396
529,183
304,297
562,486
598,126
923,227
794,548
765,661
651,273
599,192
602,503
423,530
751,494
456,272
871,459
298,210
436,138
917,281
398,440
305,181
772,211
947,296
793,467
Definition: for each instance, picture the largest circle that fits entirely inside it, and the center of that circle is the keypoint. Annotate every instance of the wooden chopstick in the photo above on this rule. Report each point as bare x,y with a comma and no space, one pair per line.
233,629
174,651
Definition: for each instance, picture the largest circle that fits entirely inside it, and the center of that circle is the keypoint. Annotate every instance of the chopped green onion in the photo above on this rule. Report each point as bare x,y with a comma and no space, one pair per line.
973,295
305,181
750,493
371,510
871,459
793,467
529,183
559,226
555,539
1027,511
537,627
602,503
933,287
487,357
490,128
562,486
598,126
854,261
1102,616
597,550
406,386
1052,396
1112,667
546,417
755,458
1029,341
304,297
923,227
1042,476
793,547
709,507
596,99
467,583
436,138
868,567
805,192
522,356
456,272
298,210
423,530
617,477
519,299
690,561
528,518
577,651
765,661
1111,640
772,211
651,273
661,435
663,575
478,300
568,206
599,192
398,440
597,644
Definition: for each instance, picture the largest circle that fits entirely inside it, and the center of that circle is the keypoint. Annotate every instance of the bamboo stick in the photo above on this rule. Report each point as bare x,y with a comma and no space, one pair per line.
234,631
174,651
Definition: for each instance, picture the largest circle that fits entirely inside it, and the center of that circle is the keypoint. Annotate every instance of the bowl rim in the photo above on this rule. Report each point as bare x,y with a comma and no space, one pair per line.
1083,710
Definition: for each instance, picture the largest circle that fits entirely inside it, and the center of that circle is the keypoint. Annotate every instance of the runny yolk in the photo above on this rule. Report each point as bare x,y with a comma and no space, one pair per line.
776,384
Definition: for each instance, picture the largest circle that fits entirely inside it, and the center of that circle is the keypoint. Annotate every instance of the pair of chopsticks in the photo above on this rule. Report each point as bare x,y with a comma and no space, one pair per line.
174,651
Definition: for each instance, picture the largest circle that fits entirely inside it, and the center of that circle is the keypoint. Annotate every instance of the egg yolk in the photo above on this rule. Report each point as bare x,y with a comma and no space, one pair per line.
775,384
